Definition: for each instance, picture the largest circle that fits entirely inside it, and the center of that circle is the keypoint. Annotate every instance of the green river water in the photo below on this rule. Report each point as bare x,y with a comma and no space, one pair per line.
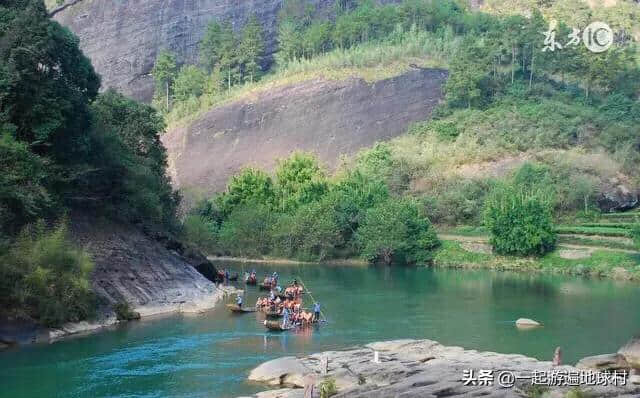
211,354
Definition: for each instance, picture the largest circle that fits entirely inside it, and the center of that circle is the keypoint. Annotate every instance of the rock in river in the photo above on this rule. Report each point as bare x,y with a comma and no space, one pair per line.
527,323
631,352
287,371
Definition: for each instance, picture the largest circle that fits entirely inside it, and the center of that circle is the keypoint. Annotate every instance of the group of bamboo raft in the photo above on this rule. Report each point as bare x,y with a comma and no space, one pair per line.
283,308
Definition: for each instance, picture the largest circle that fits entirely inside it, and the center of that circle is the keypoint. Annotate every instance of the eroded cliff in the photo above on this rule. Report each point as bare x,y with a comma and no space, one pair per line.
328,118
123,37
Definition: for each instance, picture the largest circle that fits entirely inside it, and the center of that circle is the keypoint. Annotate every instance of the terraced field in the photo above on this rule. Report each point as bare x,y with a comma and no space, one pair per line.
611,232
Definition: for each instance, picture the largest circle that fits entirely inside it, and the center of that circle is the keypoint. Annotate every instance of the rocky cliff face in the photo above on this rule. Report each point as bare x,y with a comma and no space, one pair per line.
143,269
133,267
328,118
123,37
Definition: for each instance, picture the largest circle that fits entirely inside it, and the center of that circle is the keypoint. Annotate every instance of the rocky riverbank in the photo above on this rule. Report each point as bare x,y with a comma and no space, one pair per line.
150,271
14,333
420,368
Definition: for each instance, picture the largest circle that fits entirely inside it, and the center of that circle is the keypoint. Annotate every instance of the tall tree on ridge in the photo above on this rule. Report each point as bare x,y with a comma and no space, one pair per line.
252,48
164,72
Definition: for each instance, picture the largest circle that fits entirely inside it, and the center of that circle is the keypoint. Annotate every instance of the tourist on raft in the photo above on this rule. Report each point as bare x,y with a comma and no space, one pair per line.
239,301
316,312
285,318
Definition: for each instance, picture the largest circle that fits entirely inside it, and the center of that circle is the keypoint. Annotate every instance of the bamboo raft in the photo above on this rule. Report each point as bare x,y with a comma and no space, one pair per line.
276,326
240,310
272,314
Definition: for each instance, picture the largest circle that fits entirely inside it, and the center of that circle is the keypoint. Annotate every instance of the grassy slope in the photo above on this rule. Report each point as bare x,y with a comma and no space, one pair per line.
602,263
369,61
550,130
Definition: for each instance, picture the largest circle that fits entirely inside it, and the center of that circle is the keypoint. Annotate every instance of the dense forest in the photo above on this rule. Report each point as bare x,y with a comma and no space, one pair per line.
65,148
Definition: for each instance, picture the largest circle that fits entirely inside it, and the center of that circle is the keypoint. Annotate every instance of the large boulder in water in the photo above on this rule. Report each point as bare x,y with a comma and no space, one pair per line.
631,352
617,195
286,371
527,323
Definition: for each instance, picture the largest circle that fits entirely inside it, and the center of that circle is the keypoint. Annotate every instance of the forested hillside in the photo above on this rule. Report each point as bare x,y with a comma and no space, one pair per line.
64,148
551,132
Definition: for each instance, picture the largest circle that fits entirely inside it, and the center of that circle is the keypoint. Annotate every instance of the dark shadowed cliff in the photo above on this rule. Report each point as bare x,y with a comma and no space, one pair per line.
328,118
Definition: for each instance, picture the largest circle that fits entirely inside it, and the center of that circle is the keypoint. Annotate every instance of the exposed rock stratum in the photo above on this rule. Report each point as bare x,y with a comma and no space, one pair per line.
326,117
420,369
123,37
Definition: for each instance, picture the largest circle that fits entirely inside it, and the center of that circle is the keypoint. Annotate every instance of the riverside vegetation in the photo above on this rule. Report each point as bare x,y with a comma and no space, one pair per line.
567,121
65,147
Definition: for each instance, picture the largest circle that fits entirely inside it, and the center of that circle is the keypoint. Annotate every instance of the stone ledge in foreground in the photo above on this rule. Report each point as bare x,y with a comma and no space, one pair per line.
412,368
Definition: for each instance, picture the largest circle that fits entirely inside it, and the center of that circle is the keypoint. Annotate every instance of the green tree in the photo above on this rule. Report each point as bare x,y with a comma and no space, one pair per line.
351,197
190,82
228,63
300,181
247,231
23,195
249,186
130,171
211,45
251,49
289,42
317,38
164,73
467,72
520,221
46,84
395,232
200,231
309,233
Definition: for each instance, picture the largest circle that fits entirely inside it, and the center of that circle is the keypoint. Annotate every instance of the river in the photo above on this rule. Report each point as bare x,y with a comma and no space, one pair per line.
211,354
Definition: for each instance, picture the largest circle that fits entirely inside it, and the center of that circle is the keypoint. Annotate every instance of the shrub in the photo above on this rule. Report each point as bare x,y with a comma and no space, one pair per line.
380,163
635,234
457,201
520,222
45,277
328,388
124,312
395,232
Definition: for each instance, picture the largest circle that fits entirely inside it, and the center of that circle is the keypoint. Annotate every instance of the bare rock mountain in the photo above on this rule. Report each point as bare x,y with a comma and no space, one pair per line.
328,118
